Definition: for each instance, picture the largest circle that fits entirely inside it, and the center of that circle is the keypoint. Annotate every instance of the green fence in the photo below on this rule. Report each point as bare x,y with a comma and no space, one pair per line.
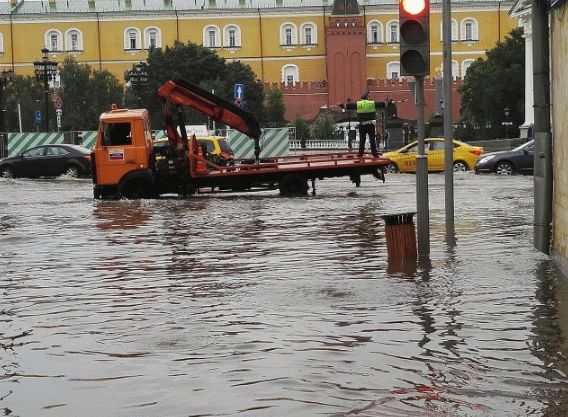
274,142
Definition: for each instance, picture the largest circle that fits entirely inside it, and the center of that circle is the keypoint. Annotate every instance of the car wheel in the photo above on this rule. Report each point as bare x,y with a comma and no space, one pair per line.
460,166
72,171
6,172
391,168
504,168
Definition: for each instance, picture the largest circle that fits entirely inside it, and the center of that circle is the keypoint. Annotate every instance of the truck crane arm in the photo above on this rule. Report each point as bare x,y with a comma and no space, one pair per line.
184,93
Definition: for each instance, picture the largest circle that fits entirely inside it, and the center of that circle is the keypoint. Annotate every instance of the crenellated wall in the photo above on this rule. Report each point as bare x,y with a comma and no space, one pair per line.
305,99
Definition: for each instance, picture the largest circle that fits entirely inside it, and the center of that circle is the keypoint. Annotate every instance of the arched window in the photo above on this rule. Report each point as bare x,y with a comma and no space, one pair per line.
454,30
393,71
211,37
469,30
53,40
232,36
309,34
152,38
290,74
132,39
73,40
465,66
454,69
392,31
288,35
374,32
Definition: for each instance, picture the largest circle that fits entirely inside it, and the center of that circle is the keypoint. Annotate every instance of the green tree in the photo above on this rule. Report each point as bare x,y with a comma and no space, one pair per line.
323,127
200,66
23,97
274,108
490,86
86,93
302,128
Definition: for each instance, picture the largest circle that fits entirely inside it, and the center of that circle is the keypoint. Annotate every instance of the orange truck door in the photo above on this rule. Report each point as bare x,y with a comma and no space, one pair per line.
116,154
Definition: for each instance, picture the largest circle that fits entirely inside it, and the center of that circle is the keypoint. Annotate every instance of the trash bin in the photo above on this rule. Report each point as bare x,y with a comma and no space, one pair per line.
400,235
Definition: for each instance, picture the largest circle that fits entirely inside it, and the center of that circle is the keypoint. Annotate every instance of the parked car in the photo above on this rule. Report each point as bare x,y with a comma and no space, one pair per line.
404,159
516,161
48,161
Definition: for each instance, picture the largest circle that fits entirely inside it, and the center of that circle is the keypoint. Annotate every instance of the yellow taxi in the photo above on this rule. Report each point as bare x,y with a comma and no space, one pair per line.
404,159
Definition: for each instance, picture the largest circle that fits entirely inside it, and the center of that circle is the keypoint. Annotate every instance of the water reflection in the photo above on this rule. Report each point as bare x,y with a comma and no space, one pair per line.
258,305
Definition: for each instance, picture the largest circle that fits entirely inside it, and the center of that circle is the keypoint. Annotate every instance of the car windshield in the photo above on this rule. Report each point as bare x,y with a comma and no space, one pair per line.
528,146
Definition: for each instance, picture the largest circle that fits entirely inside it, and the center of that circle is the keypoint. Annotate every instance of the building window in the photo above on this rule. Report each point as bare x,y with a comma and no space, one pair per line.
132,39
454,26
465,66
1,43
73,40
309,34
232,36
288,34
53,40
290,74
152,38
392,32
374,32
393,71
469,30
454,69
212,37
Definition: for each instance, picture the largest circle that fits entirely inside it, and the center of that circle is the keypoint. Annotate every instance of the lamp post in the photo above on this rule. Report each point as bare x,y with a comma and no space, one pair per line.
5,78
507,123
138,78
45,70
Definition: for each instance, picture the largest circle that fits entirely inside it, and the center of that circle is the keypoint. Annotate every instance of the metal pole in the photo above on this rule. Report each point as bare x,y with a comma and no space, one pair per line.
543,174
422,209
448,124
46,85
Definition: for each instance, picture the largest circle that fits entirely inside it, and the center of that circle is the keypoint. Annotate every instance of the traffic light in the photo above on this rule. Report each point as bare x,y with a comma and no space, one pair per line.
414,27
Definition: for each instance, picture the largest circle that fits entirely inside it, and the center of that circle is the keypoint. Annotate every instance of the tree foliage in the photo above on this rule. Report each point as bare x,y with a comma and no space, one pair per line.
274,108
22,97
203,67
323,127
490,86
86,93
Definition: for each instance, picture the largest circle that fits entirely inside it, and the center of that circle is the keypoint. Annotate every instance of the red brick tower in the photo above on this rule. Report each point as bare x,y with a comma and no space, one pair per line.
345,38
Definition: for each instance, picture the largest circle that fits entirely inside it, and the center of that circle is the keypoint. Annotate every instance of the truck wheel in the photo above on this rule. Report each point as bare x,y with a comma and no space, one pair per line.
293,185
136,189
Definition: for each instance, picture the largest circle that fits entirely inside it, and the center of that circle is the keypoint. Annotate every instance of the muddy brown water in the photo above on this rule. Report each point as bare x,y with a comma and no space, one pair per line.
258,305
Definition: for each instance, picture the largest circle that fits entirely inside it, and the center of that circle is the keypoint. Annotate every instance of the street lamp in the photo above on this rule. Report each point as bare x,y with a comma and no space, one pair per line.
138,78
5,78
45,70
507,123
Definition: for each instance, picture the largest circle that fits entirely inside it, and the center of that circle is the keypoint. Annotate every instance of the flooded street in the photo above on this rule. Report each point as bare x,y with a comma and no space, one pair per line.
259,305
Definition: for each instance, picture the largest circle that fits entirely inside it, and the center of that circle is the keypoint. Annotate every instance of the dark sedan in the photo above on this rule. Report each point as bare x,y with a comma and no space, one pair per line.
517,161
48,161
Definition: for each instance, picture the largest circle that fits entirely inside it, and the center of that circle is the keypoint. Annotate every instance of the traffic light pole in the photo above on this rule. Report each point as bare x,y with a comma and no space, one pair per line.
448,125
422,204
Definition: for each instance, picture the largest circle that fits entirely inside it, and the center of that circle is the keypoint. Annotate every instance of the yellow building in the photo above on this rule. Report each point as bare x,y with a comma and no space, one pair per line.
282,43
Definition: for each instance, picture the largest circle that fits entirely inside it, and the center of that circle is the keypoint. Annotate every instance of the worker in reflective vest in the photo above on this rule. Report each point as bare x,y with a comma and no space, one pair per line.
366,115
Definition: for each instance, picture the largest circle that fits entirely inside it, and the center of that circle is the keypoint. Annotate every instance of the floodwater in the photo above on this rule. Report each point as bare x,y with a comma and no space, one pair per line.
259,305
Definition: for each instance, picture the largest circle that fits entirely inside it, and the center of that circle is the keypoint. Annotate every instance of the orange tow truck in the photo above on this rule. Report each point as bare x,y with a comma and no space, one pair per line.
127,164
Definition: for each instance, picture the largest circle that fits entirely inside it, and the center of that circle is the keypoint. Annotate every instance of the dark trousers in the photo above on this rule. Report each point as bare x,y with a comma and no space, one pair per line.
364,130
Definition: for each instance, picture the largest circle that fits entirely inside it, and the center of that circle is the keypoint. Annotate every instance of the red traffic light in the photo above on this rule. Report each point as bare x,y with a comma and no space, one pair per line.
413,7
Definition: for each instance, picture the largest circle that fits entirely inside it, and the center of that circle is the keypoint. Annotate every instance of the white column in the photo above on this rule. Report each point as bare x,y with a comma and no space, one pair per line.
529,89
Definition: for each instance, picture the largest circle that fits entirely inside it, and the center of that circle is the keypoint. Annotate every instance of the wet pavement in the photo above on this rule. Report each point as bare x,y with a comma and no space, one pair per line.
258,305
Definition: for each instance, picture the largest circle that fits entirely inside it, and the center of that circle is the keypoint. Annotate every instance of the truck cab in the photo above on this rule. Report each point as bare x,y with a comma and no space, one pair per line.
122,150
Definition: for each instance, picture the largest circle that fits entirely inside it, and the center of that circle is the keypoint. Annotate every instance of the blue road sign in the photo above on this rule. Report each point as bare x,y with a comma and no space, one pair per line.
37,117
239,91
